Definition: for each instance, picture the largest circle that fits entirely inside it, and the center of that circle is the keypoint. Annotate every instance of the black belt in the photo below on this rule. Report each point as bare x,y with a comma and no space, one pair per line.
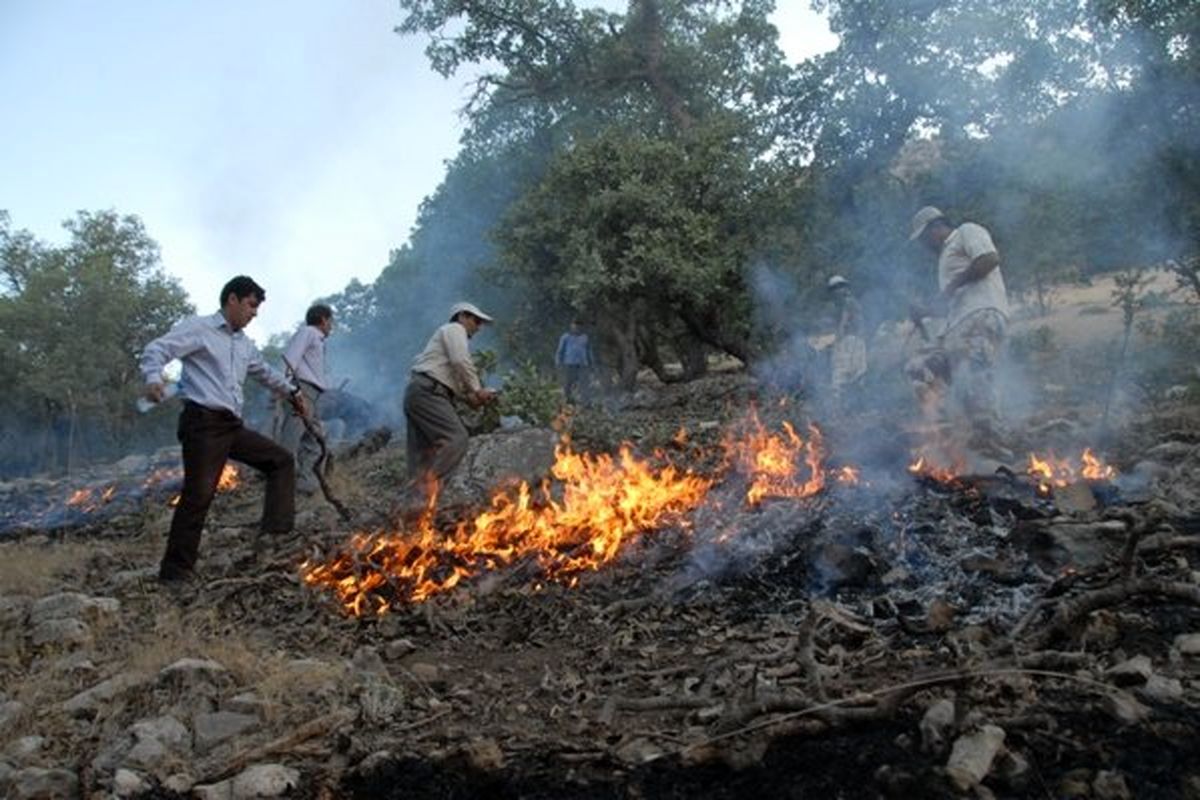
432,384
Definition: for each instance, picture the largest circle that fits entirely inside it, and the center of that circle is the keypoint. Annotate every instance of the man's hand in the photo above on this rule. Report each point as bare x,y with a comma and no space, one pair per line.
154,392
299,404
483,397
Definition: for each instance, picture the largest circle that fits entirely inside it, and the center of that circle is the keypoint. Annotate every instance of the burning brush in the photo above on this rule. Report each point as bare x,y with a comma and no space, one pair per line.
594,507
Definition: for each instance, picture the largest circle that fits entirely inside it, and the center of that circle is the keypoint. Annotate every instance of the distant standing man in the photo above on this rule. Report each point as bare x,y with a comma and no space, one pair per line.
972,286
437,437
304,358
216,356
849,347
574,358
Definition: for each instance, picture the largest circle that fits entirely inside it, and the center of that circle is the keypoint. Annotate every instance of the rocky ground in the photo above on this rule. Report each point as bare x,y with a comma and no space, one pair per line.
901,637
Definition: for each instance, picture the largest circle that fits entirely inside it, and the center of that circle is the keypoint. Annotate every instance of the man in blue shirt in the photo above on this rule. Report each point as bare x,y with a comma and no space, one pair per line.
217,355
574,357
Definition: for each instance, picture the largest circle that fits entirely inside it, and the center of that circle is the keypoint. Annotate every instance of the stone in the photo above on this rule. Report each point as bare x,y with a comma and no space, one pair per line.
179,782
1131,672
398,649
11,712
157,739
187,673
1012,769
367,661
1161,689
36,783
972,756
264,780
1110,785
494,458
62,633
1125,708
425,672
127,783
1188,644
246,703
73,605
21,749
211,729
936,724
484,754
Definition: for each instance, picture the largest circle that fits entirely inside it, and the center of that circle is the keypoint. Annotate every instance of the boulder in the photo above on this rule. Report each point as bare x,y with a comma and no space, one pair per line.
89,701
62,634
36,783
212,729
73,605
524,454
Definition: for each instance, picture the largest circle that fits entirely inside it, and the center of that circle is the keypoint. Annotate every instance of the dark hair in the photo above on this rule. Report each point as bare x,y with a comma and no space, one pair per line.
317,313
242,287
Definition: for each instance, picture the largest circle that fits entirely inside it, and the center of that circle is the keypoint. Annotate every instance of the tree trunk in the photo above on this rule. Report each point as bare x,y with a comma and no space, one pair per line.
646,26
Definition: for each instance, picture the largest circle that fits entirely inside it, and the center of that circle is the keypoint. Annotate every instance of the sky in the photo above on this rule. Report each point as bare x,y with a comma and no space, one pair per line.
292,141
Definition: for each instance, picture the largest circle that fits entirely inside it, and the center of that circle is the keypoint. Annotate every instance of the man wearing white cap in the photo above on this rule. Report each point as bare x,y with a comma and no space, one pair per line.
437,437
972,287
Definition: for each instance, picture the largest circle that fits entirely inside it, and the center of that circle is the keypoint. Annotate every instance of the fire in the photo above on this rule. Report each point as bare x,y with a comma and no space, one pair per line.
926,467
602,503
1052,472
88,499
772,461
229,480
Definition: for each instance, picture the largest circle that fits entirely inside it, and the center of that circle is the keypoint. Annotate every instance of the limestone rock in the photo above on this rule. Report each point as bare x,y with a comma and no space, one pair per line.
936,724
90,700
212,729
73,605
21,749
492,459
11,712
1109,785
972,756
127,783
36,783
61,633
1188,644
264,780
1131,672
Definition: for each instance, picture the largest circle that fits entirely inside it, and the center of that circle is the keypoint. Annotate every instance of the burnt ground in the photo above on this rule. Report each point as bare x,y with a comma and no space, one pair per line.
850,645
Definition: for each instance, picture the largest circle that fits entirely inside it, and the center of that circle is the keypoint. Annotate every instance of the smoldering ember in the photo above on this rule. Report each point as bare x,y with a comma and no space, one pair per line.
736,598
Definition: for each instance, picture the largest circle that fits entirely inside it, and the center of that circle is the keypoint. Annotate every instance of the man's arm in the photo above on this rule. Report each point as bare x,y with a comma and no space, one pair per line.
178,342
977,271
558,353
297,347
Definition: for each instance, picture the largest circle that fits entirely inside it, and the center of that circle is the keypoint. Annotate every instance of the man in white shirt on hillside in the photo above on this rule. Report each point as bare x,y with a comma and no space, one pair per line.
972,287
304,358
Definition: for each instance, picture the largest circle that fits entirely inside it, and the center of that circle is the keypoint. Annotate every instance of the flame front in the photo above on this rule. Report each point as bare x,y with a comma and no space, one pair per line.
772,461
603,503
1052,472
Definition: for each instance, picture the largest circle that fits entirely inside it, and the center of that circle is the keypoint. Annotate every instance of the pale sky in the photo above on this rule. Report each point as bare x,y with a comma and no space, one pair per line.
292,141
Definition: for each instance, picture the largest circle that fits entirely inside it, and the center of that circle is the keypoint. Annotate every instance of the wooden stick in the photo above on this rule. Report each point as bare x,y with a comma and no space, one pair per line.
309,730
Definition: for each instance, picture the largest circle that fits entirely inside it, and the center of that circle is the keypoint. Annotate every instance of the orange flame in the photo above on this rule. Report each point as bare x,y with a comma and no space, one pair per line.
604,503
1052,472
229,480
771,461
927,467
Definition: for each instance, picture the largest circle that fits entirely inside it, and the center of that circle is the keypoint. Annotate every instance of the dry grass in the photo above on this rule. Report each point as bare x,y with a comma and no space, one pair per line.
35,566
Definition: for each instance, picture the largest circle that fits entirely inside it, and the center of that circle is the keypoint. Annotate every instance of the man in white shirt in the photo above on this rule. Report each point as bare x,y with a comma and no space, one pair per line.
436,435
972,287
217,355
304,358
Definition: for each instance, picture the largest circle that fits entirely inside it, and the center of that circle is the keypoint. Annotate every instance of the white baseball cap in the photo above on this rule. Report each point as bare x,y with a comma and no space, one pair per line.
836,281
470,308
922,218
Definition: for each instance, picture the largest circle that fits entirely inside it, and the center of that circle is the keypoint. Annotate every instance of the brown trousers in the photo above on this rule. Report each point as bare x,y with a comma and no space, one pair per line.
436,436
210,437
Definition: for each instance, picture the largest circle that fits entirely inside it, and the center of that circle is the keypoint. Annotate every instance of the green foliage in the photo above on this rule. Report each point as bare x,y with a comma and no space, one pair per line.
529,394
72,321
1035,345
